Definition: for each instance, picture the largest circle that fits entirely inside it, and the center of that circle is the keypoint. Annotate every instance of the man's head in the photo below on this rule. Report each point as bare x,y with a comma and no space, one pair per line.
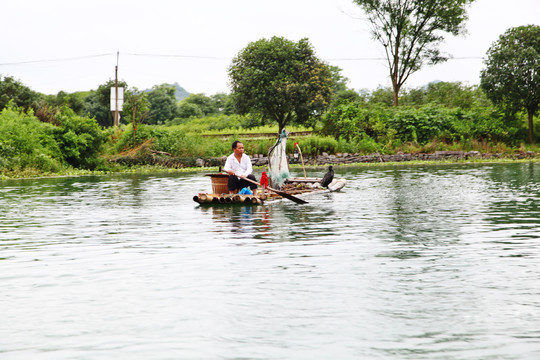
238,147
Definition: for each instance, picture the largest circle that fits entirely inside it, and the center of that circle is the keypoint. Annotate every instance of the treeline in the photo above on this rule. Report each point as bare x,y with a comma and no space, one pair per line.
57,133
165,104
444,113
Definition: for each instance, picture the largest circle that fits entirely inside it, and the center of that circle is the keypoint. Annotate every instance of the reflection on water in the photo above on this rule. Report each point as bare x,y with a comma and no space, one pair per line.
240,218
274,222
437,262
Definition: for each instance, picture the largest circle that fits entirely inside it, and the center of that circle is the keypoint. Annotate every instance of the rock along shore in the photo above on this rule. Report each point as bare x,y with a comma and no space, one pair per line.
346,158
166,160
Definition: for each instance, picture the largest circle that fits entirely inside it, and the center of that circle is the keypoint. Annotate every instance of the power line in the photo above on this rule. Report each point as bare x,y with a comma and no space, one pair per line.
179,56
468,58
380,58
111,54
76,58
356,59
56,60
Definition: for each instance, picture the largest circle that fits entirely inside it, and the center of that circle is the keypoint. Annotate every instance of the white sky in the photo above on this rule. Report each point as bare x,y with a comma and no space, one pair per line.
192,42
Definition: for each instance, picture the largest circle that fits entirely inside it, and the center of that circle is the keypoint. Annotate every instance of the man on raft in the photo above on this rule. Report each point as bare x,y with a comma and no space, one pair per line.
238,165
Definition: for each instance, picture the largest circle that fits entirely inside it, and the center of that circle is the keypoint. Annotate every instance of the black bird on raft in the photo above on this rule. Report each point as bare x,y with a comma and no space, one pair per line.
328,177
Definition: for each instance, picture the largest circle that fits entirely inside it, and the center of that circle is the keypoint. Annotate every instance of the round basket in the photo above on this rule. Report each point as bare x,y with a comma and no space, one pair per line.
219,183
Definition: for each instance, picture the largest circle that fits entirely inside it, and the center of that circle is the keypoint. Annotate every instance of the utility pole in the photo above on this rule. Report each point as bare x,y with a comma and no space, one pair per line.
116,120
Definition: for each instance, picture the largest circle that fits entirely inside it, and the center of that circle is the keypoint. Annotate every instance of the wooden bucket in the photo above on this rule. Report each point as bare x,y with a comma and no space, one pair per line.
219,183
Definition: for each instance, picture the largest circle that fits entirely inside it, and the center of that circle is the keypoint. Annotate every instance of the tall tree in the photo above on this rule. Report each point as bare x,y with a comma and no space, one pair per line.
205,103
512,74
163,106
21,95
411,32
280,80
136,108
75,100
199,105
223,103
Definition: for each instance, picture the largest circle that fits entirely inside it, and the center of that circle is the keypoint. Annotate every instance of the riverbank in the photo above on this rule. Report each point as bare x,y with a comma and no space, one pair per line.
357,159
342,159
259,160
165,164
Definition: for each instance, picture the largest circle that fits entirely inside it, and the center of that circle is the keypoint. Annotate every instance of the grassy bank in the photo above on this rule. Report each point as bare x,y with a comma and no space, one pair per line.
156,169
74,145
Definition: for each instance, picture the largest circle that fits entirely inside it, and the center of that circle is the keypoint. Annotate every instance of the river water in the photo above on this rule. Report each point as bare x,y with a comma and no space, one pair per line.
411,262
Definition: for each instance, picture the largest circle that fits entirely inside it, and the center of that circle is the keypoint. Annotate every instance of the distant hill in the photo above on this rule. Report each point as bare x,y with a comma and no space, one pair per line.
179,92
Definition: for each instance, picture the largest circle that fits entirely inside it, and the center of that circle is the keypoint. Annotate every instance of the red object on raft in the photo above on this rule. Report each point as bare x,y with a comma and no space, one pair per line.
264,180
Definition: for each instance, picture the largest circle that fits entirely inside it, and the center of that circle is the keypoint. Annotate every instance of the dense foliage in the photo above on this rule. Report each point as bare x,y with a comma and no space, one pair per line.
51,137
80,139
390,125
173,140
18,94
162,102
98,103
512,73
28,145
136,108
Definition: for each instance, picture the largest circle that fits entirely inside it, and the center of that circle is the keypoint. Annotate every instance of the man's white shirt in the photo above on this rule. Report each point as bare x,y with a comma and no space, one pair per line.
242,168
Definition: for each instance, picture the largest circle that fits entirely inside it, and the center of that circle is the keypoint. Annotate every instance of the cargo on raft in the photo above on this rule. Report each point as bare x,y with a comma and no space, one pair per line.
297,186
281,186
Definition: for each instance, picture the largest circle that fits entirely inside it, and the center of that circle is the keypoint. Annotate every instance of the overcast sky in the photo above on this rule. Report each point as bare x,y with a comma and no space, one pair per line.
72,45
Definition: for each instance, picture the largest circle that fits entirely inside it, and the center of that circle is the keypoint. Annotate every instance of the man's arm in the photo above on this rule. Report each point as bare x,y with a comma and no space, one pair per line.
228,166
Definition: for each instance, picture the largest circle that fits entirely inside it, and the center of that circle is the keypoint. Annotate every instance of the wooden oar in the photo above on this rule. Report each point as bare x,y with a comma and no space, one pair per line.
282,193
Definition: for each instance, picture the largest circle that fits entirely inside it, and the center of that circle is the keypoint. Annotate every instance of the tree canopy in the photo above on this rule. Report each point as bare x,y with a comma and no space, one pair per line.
14,90
411,32
162,101
512,74
136,108
98,103
281,81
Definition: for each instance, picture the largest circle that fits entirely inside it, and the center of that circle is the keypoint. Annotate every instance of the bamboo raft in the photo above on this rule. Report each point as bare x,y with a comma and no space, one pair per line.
298,187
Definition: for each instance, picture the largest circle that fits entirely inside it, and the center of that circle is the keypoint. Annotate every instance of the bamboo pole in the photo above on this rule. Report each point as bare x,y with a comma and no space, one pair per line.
301,158
279,192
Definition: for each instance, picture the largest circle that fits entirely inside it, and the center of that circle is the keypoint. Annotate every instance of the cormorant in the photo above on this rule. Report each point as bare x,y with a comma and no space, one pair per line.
328,177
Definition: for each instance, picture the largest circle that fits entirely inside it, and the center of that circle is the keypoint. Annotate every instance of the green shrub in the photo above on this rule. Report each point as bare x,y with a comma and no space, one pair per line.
420,125
25,142
80,139
392,125
368,145
173,140
350,120
316,145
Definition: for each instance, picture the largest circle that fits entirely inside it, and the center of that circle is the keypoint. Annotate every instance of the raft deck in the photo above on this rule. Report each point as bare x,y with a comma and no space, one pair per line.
299,187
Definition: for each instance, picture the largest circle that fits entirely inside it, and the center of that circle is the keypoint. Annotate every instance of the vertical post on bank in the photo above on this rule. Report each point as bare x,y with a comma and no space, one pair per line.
116,120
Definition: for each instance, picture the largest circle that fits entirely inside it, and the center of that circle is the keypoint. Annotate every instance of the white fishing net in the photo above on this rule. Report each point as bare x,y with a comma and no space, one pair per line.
278,166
